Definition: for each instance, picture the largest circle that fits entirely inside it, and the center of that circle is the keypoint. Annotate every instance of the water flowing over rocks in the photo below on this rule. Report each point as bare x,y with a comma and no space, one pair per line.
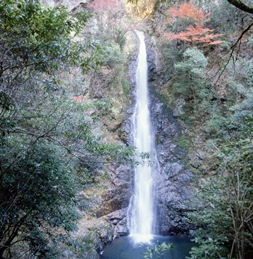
107,217
173,182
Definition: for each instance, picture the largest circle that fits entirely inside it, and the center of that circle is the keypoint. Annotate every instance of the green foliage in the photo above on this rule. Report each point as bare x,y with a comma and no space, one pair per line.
159,250
113,55
211,220
227,121
224,206
111,35
208,249
40,38
226,45
170,55
126,86
38,41
242,71
189,83
189,74
228,18
218,126
48,151
244,109
225,118
83,247
222,215
119,36
37,194
184,142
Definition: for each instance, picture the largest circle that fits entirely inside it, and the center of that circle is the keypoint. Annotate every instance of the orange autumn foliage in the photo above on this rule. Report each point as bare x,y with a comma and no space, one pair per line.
194,34
186,11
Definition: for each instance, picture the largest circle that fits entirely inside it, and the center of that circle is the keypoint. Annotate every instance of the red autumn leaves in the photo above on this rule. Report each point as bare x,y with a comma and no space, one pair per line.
195,33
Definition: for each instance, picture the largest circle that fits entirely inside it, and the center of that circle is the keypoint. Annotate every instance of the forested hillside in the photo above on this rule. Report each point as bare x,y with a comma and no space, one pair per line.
51,139
65,91
209,87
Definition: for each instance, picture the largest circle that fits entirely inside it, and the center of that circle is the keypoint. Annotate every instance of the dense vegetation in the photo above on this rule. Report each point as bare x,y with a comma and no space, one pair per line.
214,85
50,148
47,148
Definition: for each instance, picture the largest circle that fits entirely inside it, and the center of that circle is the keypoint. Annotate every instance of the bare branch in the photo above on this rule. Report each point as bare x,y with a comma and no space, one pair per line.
241,6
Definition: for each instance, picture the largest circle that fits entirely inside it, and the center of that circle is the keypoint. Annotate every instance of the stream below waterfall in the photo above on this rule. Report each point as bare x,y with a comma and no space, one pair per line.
125,248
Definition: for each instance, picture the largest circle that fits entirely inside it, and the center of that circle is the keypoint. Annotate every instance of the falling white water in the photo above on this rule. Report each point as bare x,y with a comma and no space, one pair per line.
141,218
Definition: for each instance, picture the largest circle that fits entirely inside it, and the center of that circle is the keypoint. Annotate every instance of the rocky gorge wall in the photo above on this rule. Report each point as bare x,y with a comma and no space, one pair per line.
173,181
104,204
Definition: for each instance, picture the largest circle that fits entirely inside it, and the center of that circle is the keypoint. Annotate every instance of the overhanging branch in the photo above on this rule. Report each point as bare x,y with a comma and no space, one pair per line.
241,6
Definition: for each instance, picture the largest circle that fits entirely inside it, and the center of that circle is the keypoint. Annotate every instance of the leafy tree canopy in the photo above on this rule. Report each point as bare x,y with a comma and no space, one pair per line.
224,206
39,38
37,196
44,132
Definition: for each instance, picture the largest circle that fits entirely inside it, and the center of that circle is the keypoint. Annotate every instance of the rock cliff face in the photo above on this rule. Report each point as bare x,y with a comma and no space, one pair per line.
69,4
173,183
173,178
104,206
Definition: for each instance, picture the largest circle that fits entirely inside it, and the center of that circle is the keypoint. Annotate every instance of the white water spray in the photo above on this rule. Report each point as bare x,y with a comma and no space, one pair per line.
141,209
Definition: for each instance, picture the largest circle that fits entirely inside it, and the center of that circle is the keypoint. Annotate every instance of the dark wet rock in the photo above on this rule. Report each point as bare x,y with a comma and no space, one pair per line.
172,169
121,230
119,222
117,215
173,187
115,222
173,181
123,222
104,236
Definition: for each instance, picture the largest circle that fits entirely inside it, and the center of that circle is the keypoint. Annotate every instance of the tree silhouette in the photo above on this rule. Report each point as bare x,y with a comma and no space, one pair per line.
241,5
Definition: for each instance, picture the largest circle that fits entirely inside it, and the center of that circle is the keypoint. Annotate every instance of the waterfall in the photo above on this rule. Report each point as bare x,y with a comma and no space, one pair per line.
141,217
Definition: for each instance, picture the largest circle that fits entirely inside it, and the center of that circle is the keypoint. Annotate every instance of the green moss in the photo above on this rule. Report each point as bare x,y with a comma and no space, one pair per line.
184,142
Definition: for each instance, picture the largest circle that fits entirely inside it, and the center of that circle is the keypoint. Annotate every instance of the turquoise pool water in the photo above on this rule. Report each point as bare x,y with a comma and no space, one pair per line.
125,248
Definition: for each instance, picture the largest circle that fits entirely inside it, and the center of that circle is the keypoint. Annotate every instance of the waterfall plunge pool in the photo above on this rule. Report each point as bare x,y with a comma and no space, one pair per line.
126,248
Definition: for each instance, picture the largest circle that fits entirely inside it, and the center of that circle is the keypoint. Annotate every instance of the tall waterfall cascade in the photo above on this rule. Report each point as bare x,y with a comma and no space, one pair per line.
141,215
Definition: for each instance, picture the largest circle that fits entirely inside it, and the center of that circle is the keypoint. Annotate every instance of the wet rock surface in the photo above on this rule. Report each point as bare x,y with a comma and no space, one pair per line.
118,195
173,180
173,185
